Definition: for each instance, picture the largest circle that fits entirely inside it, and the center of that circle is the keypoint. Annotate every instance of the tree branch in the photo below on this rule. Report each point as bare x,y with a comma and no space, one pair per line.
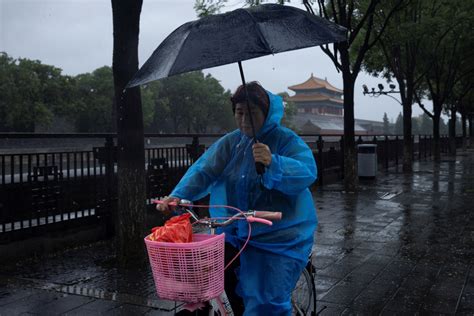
308,7
363,49
334,13
385,23
370,10
417,98
322,9
350,11
333,56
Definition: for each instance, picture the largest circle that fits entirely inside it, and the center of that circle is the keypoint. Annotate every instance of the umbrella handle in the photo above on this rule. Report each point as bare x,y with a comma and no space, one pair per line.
260,167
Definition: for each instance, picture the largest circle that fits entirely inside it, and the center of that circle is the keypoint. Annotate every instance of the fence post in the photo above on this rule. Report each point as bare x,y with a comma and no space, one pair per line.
396,151
342,156
426,146
195,149
386,158
419,147
109,182
429,145
320,165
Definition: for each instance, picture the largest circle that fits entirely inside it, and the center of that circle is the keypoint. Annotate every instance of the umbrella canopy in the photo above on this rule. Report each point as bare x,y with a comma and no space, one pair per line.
236,36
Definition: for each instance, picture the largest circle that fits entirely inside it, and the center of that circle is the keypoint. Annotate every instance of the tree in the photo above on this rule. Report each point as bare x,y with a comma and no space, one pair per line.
289,112
398,127
415,124
460,98
95,96
396,56
386,124
467,113
191,102
95,101
131,152
426,124
443,56
31,94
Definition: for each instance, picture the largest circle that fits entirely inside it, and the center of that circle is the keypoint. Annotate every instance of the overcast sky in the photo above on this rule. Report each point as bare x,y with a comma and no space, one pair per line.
76,36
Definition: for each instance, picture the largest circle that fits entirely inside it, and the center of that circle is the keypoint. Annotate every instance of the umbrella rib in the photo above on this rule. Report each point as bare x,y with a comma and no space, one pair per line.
262,38
180,52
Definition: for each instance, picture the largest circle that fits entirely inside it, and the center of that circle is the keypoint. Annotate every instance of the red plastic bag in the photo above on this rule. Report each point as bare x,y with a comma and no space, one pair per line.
176,229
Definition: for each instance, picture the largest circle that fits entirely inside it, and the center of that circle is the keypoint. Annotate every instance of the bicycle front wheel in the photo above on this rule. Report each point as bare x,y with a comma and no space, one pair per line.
302,295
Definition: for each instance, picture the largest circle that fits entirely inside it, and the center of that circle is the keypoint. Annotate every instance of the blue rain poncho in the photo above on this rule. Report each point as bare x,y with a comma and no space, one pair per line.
276,255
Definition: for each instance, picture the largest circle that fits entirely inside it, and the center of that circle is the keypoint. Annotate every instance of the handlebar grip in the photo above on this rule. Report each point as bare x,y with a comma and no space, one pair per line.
181,202
161,202
274,216
252,219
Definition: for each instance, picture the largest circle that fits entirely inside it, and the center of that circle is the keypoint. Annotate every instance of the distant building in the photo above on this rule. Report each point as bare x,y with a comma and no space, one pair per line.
317,96
320,109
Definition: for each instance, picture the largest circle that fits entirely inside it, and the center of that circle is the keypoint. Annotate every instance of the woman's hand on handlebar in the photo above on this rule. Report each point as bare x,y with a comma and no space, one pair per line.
165,207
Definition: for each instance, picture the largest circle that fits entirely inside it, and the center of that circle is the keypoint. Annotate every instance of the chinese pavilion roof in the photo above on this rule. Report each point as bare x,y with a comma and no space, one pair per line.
302,98
314,83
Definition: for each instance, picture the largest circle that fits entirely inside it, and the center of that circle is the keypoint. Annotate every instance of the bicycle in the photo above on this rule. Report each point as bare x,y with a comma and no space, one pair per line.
181,286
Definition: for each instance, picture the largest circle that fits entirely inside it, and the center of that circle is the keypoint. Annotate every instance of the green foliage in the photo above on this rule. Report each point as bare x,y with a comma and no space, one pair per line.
95,95
290,112
386,125
33,94
208,7
190,102
447,53
95,102
398,127
415,126
423,125
426,124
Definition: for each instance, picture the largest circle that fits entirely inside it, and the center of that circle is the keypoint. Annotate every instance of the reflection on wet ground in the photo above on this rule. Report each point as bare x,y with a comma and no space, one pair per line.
403,245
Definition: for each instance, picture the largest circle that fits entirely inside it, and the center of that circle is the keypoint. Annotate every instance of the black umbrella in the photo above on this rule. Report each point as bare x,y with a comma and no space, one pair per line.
236,36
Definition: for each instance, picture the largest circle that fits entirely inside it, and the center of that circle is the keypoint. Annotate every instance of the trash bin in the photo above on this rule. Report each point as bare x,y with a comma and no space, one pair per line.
367,160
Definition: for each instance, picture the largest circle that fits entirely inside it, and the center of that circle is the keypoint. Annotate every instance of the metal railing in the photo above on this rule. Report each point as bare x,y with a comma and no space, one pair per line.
45,188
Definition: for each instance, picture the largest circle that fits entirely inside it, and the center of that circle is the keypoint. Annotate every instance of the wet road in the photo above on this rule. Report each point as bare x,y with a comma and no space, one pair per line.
403,245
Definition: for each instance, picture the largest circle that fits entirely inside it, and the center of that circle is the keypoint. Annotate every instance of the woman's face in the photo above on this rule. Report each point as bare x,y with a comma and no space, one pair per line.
242,118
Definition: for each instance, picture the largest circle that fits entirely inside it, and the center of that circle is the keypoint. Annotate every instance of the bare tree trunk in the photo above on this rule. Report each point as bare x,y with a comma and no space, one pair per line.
407,101
452,132
436,147
407,141
131,154
465,141
464,125
470,118
350,167
471,128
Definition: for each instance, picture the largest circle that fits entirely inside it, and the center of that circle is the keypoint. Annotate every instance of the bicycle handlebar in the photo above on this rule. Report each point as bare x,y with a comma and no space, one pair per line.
253,219
264,217
274,216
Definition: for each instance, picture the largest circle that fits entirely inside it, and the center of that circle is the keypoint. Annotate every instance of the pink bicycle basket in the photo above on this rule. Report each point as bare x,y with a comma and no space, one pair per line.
188,272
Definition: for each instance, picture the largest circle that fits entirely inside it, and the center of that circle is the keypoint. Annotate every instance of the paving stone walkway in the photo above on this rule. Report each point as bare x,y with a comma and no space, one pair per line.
403,245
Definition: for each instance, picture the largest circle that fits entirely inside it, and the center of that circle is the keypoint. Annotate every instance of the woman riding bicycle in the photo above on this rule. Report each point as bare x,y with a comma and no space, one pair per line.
276,255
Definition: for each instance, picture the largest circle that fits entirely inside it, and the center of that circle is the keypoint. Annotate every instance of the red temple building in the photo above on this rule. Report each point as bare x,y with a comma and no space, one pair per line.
317,96
320,109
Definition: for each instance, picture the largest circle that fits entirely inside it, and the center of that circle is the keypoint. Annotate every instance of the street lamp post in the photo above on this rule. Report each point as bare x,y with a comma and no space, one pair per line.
381,91
407,138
